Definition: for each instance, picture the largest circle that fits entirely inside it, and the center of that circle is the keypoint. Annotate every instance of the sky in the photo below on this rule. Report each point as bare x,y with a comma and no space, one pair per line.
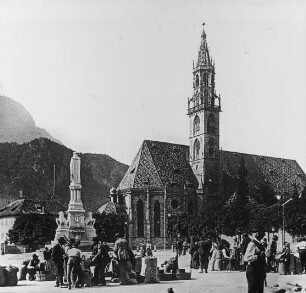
102,76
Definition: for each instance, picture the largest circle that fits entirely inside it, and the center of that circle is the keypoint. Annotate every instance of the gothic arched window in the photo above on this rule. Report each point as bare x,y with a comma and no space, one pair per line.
157,219
197,99
140,219
205,79
196,125
196,150
211,124
197,81
190,208
211,148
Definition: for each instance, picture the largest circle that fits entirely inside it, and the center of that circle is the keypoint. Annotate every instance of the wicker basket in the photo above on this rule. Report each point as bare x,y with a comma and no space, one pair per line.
11,275
2,277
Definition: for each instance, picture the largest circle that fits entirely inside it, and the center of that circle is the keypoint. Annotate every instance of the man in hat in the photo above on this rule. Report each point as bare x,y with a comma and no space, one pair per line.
124,255
57,257
204,247
33,267
256,262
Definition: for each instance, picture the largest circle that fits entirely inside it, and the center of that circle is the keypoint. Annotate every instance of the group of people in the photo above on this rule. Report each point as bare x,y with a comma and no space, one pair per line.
66,261
66,258
181,247
200,251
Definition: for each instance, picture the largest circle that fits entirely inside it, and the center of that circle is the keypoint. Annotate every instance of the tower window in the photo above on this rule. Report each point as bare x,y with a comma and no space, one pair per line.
190,208
196,150
196,125
205,79
197,99
206,96
211,124
197,81
211,148
157,219
140,219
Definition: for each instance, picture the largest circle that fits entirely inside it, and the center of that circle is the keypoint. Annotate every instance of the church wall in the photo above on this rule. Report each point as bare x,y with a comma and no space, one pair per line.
175,203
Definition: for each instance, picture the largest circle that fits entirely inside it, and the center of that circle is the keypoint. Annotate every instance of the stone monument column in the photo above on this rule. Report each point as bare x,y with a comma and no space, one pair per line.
75,203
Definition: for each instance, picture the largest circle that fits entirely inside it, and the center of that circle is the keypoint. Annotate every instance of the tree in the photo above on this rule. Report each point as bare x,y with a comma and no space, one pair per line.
235,213
107,225
295,213
33,230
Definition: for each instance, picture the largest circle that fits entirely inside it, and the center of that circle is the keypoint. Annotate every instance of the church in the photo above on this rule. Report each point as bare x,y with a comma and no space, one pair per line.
166,179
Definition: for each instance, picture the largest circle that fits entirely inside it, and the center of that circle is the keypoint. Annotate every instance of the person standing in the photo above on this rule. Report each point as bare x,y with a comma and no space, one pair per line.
123,252
101,259
256,263
284,260
204,247
57,257
194,262
271,253
47,259
301,248
74,266
245,241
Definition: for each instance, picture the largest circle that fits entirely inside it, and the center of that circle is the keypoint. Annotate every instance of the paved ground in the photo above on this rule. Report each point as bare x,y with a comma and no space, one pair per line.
212,282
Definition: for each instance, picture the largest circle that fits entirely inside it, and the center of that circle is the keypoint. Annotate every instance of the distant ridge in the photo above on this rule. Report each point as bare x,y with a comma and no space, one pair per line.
17,124
26,171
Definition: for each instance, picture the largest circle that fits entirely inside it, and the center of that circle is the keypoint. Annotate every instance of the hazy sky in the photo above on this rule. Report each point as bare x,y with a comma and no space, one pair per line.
102,76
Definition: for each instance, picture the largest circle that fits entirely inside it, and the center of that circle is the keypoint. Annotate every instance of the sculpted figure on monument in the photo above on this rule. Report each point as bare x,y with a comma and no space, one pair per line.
61,220
75,169
89,220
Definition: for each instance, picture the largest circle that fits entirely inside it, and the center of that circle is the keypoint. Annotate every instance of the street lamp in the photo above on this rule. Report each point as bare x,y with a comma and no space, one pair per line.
281,196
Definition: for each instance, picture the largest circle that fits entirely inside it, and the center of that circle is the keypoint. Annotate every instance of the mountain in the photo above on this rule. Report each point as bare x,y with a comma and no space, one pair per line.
17,124
26,171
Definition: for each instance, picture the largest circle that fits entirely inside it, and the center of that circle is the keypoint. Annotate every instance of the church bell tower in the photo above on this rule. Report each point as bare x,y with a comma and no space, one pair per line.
203,110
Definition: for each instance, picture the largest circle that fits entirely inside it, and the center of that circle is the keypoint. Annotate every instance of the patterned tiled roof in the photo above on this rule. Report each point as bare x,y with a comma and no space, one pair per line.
29,206
112,208
158,164
281,174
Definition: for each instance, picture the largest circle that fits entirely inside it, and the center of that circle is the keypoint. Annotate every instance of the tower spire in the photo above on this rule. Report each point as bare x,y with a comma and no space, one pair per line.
203,55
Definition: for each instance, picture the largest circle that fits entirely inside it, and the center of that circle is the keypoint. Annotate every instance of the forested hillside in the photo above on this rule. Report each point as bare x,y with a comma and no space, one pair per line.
26,171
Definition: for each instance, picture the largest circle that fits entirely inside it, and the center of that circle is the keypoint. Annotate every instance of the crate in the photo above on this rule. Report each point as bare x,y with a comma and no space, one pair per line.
45,277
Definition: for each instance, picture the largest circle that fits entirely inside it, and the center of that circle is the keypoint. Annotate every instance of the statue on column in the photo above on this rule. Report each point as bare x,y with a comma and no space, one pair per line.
75,169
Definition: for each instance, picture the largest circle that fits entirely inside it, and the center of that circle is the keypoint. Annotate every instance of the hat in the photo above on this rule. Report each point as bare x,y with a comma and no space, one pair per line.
61,239
170,290
34,256
117,235
71,240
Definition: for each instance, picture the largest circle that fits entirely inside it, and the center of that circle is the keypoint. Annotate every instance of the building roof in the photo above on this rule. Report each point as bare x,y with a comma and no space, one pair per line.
30,206
280,174
158,164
